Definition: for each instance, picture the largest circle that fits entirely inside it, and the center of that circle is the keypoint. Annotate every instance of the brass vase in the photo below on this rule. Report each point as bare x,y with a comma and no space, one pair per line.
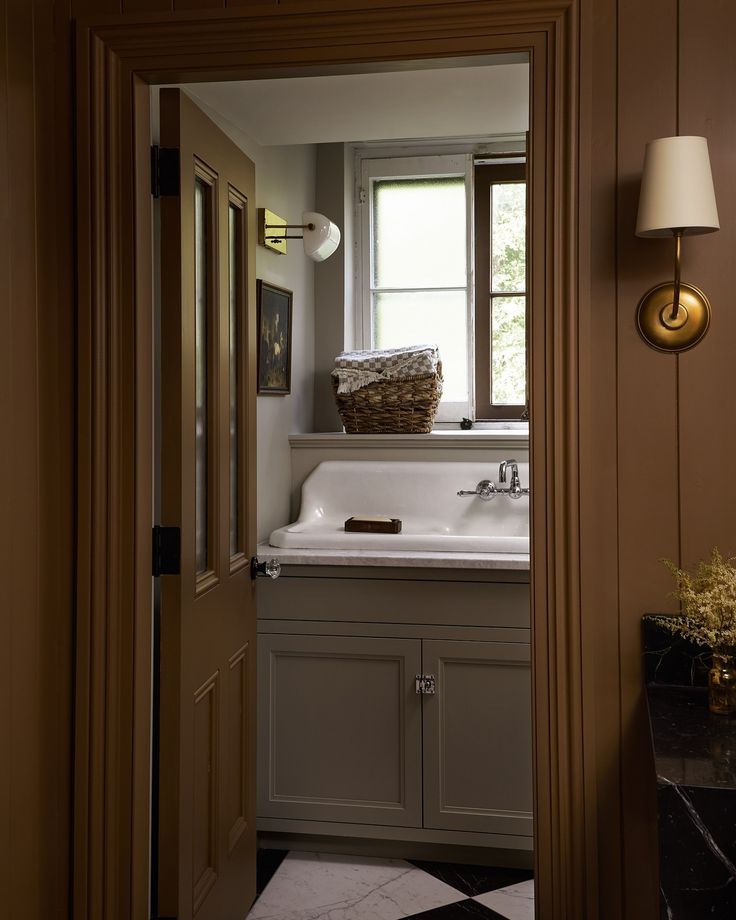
722,683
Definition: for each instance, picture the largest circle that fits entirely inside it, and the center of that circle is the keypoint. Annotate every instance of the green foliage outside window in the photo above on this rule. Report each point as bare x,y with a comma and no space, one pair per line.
508,274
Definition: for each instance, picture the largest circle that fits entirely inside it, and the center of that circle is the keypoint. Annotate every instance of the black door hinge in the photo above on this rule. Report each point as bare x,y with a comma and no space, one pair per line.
164,171
166,551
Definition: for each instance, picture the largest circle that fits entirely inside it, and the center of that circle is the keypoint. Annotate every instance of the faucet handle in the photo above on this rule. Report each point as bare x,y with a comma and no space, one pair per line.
515,490
485,490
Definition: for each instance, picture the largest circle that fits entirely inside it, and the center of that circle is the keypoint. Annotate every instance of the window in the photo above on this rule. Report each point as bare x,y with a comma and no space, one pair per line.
500,292
416,263
428,225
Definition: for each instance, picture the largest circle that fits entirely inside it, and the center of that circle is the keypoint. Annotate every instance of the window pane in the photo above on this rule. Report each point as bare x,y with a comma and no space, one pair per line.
201,373
419,233
508,351
508,237
234,277
427,318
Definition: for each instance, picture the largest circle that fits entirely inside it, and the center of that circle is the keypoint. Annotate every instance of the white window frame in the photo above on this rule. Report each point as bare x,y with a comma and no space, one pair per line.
372,165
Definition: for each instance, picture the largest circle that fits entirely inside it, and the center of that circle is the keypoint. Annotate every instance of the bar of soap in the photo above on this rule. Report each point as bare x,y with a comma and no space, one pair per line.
373,523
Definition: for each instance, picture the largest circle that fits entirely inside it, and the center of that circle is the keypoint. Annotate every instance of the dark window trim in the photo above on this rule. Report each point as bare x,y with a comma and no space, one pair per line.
484,177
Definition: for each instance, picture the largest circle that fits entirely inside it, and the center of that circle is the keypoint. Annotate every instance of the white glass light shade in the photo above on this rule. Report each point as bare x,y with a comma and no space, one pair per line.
321,241
677,188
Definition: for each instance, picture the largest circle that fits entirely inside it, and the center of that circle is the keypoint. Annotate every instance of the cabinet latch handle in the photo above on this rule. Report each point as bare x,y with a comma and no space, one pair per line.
425,683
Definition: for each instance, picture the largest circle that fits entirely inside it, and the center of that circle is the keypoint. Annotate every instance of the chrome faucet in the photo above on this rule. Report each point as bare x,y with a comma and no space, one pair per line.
515,490
486,490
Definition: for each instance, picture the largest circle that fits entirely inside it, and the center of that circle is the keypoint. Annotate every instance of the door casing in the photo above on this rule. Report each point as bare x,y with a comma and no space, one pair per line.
117,58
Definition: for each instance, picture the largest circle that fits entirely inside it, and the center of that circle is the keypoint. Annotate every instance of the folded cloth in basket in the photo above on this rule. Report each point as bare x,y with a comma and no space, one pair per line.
356,369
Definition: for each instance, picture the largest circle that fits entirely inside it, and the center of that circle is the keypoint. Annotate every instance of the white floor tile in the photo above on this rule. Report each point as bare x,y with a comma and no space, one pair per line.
312,886
515,902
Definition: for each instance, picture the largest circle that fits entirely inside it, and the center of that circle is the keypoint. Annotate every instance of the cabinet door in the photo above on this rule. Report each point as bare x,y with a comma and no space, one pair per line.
478,738
340,729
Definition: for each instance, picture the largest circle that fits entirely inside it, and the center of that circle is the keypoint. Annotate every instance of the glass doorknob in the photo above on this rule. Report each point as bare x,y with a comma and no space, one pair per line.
270,568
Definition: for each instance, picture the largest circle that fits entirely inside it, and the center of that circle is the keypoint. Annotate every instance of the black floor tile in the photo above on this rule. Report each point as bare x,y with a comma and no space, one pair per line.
267,863
474,880
460,910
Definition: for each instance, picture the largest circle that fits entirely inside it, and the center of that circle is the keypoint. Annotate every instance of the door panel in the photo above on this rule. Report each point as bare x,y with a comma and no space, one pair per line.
340,729
478,737
207,673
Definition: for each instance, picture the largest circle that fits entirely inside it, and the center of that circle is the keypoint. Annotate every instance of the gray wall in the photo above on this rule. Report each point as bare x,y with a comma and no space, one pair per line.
334,314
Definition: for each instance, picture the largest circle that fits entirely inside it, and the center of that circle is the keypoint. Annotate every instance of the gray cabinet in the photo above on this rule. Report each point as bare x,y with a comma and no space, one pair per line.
340,729
477,737
346,744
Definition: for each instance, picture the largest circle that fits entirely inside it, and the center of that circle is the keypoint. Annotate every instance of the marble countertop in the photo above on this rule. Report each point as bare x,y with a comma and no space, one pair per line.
695,762
330,557
692,746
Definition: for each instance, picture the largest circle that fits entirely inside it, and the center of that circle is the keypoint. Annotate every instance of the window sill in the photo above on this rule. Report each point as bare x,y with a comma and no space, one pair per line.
475,439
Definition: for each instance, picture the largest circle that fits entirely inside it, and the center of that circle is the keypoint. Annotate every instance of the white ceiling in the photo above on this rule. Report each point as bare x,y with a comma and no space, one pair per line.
452,102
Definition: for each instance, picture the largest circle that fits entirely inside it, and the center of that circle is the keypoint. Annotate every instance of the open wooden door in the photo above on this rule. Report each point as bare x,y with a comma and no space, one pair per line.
206,789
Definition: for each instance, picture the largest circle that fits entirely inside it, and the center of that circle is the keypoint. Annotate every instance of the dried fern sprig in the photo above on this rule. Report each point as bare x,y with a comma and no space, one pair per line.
708,598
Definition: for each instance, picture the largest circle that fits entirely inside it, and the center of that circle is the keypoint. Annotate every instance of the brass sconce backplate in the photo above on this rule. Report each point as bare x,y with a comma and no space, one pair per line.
660,330
268,224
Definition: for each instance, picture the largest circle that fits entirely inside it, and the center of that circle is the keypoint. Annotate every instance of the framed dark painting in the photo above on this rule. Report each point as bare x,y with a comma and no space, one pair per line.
274,339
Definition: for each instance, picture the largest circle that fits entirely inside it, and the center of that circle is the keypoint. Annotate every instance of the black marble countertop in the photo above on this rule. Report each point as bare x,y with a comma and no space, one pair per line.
695,761
692,746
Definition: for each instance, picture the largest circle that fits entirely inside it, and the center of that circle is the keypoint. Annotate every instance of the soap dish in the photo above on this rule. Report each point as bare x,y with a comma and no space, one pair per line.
373,524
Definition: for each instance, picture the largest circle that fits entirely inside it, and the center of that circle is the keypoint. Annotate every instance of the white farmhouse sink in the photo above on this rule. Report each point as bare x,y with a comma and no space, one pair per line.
422,494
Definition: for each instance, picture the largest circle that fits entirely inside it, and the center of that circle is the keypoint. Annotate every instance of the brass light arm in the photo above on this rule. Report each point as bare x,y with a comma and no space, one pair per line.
277,237
289,226
678,250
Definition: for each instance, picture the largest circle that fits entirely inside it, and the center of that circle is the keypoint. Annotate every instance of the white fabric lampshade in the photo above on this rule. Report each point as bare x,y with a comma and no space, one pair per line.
323,240
677,188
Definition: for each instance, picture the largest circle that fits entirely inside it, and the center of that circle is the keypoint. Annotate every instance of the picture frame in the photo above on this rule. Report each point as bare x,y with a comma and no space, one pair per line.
274,339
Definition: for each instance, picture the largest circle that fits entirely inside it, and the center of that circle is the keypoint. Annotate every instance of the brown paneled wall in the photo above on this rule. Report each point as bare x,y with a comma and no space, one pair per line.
648,463
36,459
92,7
676,442
657,437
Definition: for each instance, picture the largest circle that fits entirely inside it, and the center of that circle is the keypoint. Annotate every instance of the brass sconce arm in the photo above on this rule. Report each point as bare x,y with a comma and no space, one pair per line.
285,236
678,251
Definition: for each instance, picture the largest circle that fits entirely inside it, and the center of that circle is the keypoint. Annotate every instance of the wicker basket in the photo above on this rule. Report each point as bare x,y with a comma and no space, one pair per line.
405,406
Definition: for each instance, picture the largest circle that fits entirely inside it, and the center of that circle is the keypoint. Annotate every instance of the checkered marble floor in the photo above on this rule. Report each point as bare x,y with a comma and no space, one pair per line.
316,886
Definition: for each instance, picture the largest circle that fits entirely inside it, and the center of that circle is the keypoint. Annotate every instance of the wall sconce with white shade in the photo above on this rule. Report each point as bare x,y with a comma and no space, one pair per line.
320,235
677,199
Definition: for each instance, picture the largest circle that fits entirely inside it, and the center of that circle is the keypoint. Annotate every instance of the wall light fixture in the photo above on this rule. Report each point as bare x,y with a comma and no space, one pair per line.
677,199
320,235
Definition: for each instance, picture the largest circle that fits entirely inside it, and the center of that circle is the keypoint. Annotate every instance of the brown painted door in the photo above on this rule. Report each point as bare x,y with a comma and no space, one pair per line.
206,812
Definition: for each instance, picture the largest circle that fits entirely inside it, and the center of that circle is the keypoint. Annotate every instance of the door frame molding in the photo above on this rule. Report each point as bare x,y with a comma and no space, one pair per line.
117,57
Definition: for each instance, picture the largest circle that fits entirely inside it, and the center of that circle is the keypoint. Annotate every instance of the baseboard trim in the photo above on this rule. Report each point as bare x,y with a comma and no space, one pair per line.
398,849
